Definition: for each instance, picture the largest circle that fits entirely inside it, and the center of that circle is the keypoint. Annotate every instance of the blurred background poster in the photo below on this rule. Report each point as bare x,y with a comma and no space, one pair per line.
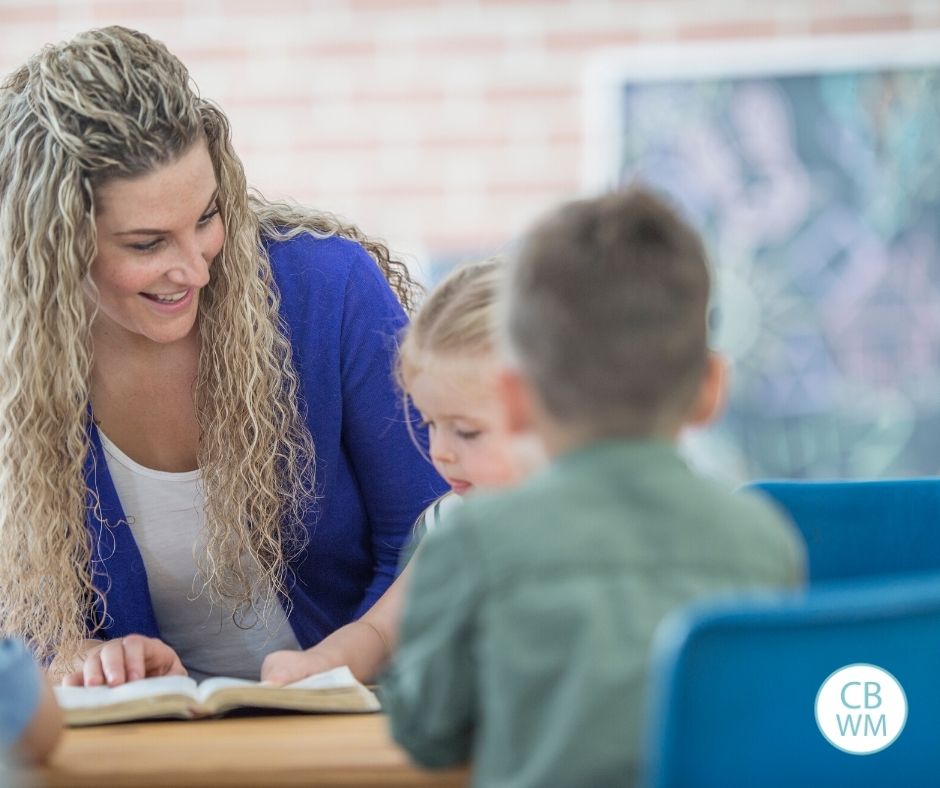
813,168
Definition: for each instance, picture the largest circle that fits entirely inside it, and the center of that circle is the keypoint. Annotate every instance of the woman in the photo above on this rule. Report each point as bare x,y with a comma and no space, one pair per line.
177,354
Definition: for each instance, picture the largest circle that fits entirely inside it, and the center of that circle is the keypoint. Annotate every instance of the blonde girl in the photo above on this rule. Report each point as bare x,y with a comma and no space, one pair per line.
449,368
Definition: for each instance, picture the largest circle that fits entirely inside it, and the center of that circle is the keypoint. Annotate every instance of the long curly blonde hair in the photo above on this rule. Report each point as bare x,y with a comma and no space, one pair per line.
114,103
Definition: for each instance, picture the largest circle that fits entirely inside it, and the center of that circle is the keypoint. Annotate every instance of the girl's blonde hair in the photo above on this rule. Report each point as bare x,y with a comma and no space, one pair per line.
456,318
113,103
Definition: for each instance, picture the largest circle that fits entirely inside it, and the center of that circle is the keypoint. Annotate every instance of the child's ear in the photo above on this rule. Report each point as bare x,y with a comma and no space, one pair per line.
517,400
711,394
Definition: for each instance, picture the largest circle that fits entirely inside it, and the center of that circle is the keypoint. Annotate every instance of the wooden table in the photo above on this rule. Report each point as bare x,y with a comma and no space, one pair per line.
315,750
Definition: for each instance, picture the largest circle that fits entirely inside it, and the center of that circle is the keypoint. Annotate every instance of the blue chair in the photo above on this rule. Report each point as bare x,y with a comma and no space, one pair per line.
860,528
734,684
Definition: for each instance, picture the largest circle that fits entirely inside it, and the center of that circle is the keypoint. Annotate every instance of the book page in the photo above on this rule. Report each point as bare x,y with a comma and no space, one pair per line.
179,696
336,678
330,679
166,696
334,690
88,697
208,686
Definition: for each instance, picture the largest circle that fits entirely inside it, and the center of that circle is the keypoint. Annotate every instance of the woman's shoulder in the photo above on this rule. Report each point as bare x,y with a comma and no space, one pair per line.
322,261
306,251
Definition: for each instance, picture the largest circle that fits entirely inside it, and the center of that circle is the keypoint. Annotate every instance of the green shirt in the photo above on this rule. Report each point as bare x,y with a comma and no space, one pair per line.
530,614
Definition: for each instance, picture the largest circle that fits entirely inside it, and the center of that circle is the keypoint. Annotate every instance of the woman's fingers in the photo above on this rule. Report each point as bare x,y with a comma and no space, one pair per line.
159,659
76,679
134,664
92,669
110,663
126,659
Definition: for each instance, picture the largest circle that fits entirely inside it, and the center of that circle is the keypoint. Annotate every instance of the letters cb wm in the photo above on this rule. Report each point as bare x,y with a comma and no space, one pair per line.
861,709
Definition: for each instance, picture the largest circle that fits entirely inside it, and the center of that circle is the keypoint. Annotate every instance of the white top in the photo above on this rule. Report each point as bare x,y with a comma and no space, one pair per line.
165,512
438,511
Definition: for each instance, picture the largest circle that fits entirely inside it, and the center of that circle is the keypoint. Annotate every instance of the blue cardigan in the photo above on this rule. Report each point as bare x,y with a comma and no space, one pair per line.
372,482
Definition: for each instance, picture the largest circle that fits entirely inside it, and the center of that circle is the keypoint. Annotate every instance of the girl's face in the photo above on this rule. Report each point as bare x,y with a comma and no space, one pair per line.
459,400
157,237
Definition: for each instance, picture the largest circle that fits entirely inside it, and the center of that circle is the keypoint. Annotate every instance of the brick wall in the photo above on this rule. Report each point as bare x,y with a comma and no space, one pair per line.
442,126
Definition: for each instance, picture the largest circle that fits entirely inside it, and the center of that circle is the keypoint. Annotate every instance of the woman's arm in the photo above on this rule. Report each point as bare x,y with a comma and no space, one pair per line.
397,481
365,645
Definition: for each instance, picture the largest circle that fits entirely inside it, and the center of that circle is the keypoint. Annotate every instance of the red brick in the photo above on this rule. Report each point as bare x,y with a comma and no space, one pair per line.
561,137
518,93
364,95
403,191
456,243
503,3
752,28
861,24
560,186
212,52
337,145
254,8
109,10
459,45
482,140
11,15
589,39
390,5
288,101
333,49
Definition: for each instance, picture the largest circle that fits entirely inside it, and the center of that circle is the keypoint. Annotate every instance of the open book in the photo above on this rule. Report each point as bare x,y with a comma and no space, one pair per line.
179,696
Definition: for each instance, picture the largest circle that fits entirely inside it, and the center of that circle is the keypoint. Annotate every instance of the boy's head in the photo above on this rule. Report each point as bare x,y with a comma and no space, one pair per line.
604,315
449,368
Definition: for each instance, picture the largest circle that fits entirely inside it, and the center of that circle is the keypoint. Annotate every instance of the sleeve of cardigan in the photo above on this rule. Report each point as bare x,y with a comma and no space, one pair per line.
396,481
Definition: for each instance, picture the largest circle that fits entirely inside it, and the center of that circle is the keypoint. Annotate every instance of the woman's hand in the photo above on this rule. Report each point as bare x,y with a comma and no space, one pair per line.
286,667
360,645
133,657
364,645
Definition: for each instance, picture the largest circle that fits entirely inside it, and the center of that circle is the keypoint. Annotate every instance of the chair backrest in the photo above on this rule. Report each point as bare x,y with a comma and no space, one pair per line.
734,684
860,528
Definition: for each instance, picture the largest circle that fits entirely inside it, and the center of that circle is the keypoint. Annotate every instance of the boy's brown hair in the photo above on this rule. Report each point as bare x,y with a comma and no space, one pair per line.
605,313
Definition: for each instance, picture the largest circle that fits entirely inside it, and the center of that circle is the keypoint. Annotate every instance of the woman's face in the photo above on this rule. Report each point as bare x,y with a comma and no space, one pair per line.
157,237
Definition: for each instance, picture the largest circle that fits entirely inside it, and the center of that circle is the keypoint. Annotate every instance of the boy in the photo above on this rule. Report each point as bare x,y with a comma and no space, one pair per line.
30,718
529,617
